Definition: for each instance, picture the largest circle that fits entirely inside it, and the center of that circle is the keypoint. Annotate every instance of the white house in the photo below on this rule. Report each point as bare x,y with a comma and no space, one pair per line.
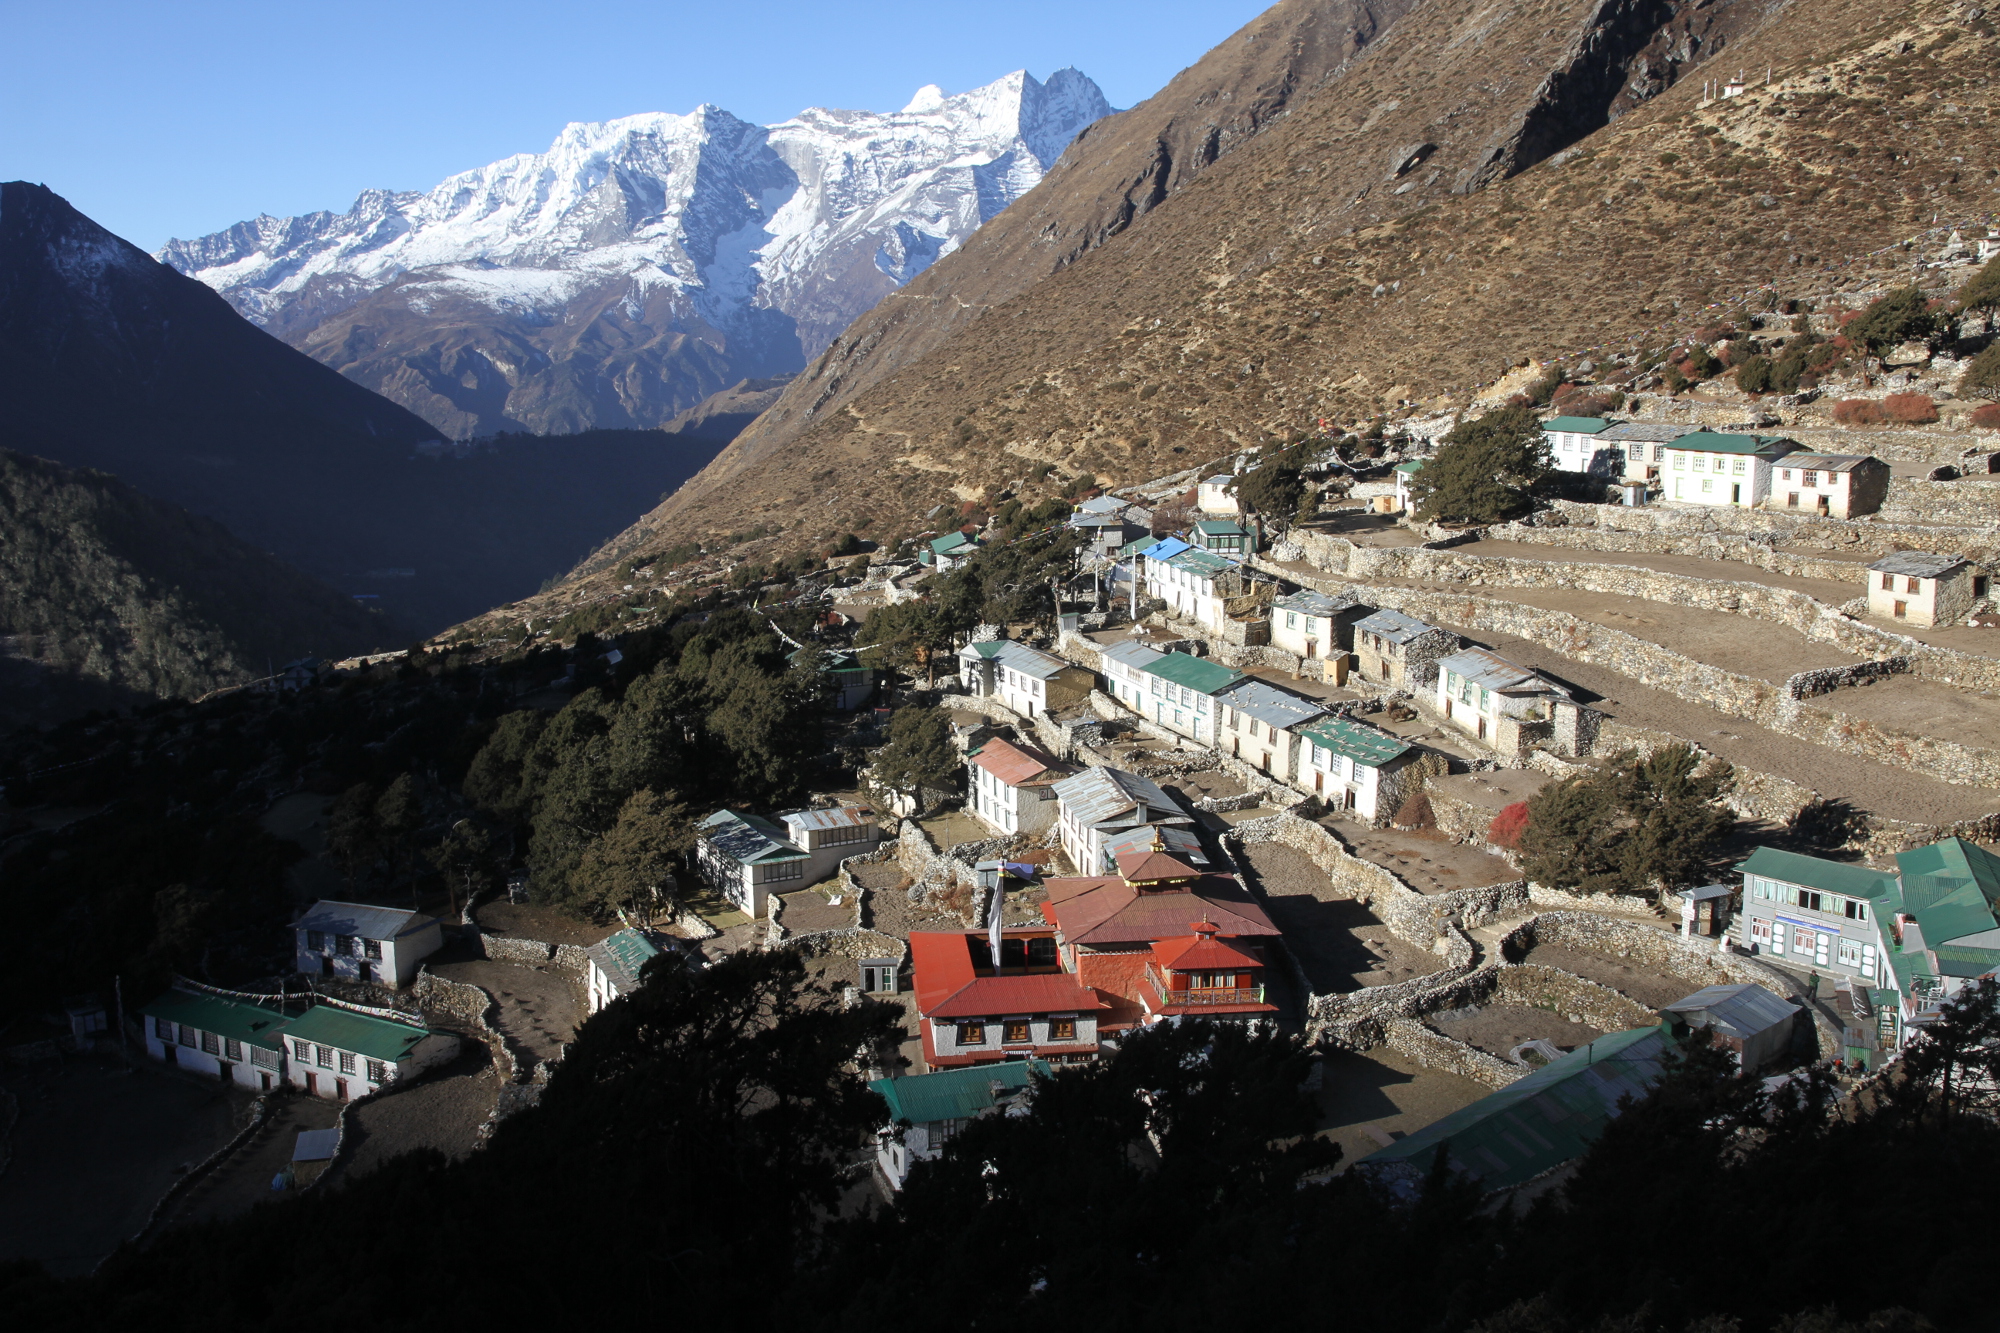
1576,444
1644,444
1196,585
1511,707
1923,588
364,943
1217,495
1099,804
1354,767
1125,672
1025,679
1180,694
1313,625
344,1055
926,1111
1831,485
1400,651
949,551
234,1041
1709,468
612,966
1255,721
748,858
1011,788
1405,476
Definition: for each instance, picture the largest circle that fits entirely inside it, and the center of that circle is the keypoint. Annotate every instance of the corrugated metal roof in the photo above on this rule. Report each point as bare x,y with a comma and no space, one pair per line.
747,839
1393,626
1829,462
1307,602
1102,910
344,1030
947,983
1576,425
1197,673
1715,442
1219,479
1132,653
1205,563
1740,1011
1815,873
952,543
1951,888
1103,504
954,1094
1028,661
362,919
621,957
1917,564
1097,521
1138,546
1099,794
1489,670
1220,527
1959,960
1647,432
1363,744
1167,548
1411,468
826,817
1180,843
240,1019
1013,764
1268,704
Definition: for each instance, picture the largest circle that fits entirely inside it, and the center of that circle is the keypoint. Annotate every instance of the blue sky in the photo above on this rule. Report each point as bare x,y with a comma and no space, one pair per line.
163,120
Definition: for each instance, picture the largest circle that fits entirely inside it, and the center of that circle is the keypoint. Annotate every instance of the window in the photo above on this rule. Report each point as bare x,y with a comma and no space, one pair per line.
325,1056
784,870
1707,485
1785,473
1738,469
1803,940
1659,451
1062,1029
1856,910
1888,583
163,1029
1698,462
1015,1031
1913,585
262,1058
972,1034
187,1035
316,941
233,1049
372,949
377,1072
343,944
347,1062
1291,620
1680,461
1809,478
302,1051
1760,934
1850,953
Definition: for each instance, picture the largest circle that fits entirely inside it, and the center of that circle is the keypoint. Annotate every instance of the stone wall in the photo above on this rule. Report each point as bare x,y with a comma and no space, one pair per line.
850,942
474,1008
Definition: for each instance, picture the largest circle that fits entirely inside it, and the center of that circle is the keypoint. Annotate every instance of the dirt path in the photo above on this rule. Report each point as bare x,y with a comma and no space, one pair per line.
1830,591
245,1179
443,1110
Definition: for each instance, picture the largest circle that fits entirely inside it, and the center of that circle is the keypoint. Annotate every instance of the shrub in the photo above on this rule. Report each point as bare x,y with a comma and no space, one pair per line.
1700,365
1910,409
1754,375
1981,379
1858,412
1896,318
1507,826
1987,416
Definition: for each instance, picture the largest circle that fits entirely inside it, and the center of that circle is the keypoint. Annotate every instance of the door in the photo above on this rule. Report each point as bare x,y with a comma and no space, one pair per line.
1319,784
1902,610
1312,649
1823,506
340,1089
225,1071
1791,500
263,1080
1736,493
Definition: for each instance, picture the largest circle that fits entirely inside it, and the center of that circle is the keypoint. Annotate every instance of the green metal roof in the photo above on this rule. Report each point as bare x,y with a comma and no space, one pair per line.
1814,873
1220,527
1198,561
1197,673
1544,1119
1713,442
345,1030
1411,468
1138,546
1950,887
237,1019
954,1094
1577,425
1959,960
632,950
952,543
1364,745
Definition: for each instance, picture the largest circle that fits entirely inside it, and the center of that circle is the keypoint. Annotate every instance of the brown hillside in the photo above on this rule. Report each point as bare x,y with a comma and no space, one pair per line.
1304,276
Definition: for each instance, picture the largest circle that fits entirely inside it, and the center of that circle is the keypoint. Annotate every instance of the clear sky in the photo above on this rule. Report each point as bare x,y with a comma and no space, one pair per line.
178,119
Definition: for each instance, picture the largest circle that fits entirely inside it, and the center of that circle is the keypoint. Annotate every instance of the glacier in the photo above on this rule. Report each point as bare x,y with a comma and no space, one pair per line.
642,263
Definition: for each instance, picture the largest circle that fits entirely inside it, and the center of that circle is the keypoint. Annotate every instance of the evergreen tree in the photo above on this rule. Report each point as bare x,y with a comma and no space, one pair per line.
1981,293
1981,378
919,754
1486,470
1634,824
352,839
631,863
1898,317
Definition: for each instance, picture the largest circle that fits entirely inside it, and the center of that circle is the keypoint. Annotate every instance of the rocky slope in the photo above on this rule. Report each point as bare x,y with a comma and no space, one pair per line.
1477,185
110,598
640,264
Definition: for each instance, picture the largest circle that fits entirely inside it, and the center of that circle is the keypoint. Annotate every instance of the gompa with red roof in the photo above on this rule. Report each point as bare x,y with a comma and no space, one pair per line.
975,1011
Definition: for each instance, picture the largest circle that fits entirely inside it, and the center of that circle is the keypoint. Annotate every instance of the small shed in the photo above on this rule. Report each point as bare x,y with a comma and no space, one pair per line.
1749,1020
1705,911
1923,588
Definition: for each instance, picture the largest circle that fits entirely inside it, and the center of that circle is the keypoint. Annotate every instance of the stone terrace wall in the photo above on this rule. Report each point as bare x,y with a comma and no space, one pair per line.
475,1008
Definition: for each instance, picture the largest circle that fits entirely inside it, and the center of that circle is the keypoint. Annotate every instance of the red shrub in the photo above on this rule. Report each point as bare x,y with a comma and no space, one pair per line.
1987,417
1858,412
1910,409
1507,827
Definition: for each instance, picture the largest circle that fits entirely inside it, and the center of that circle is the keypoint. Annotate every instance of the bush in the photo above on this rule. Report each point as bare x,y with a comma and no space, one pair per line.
1858,412
1507,826
1416,813
1987,417
1896,318
1700,365
1981,379
1910,409
1754,375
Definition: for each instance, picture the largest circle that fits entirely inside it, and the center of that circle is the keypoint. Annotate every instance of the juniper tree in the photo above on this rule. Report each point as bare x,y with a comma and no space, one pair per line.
1486,470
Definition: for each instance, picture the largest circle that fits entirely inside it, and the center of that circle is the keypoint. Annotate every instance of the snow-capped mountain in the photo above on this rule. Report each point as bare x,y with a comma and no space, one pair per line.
639,264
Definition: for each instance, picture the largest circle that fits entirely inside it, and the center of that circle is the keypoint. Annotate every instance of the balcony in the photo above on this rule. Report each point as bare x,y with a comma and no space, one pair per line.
1203,997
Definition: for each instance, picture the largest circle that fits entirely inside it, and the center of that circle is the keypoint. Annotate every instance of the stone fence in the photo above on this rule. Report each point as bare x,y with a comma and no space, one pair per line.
473,1007
849,942
1825,680
532,953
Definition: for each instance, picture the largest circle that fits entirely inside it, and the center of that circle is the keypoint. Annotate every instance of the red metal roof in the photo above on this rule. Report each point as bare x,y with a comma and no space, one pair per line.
1203,951
948,984
1152,867
1118,978
1015,765
1102,910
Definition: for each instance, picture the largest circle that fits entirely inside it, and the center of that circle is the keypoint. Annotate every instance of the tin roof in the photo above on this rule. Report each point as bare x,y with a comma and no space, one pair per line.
954,1094
1740,1011
1829,462
1203,950
1220,527
1576,425
1715,442
621,957
1167,548
239,1019
1268,704
1139,546
1393,626
362,920
1102,504
345,1030
826,817
1489,670
1197,673
1148,865
1649,432
747,839
1917,564
953,543
1132,653
1363,744
1081,520
1816,873
1219,479
1950,887
1015,764
1028,661
1197,561
1179,843
1098,795
1311,603
948,985
1411,468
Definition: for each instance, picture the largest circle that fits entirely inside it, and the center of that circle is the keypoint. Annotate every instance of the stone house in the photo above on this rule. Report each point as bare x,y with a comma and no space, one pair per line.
1511,708
1710,468
1024,679
1923,588
1576,444
233,1041
1830,485
1180,694
383,945
1011,788
1399,651
612,966
1107,525
927,1111
1644,445
1217,495
1352,766
979,1010
1313,625
1255,722
340,1054
1125,676
1100,805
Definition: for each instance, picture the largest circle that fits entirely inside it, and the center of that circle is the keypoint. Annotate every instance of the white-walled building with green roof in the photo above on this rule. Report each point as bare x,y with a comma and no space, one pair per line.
232,1040
1352,766
341,1054
1712,468
1575,447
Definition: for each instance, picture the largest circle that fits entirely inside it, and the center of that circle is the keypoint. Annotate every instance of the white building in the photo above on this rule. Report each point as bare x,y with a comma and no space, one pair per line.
233,1041
1254,723
1099,804
1313,625
926,1111
748,858
613,964
1354,767
344,1055
1217,495
1011,788
1831,485
1923,588
1708,468
1576,444
1405,477
1644,444
1510,707
1125,676
364,943
1024,679
1180,694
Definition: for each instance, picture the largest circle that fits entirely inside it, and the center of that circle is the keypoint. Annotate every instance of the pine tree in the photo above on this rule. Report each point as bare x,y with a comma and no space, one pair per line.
1486,470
